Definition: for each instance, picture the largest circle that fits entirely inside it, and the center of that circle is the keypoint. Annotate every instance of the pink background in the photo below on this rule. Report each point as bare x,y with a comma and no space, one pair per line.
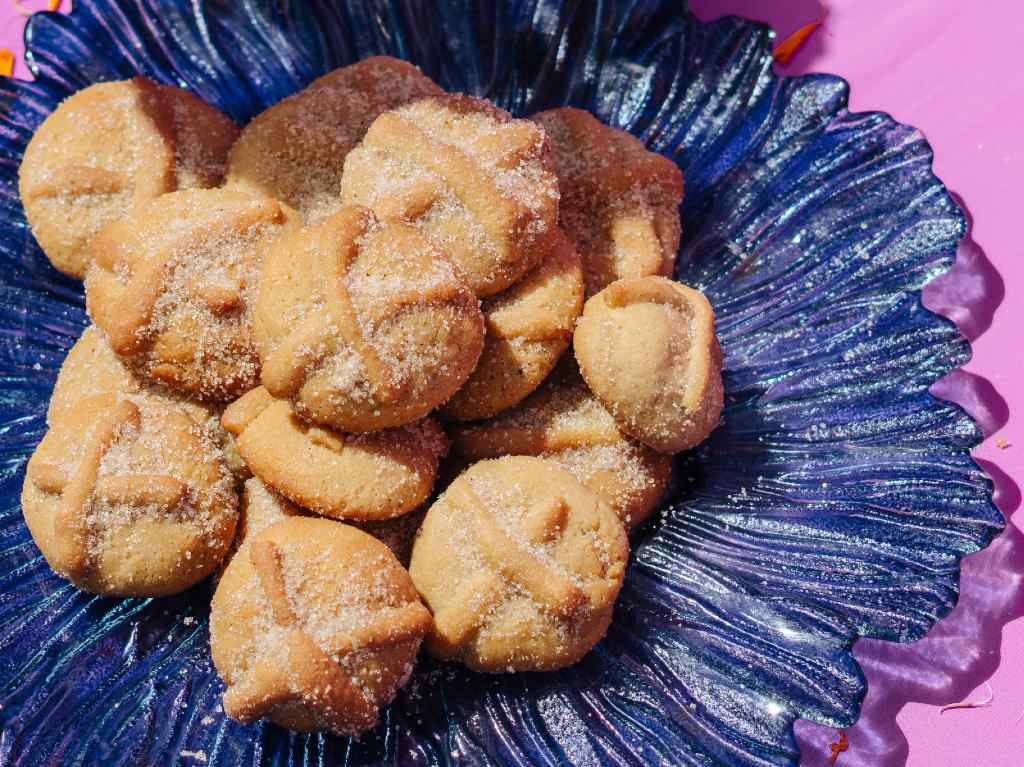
953,69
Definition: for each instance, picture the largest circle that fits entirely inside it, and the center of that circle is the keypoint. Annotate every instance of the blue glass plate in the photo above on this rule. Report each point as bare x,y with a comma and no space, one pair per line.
835,501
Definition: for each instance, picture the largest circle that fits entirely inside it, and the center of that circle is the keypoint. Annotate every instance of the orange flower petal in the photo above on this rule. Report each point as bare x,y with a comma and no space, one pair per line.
53,5
6,62
785,50
837,748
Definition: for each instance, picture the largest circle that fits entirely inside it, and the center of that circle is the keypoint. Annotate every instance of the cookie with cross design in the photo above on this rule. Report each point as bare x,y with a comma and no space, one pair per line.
363,477
520,565
565,423
130,499
479,184
109,148
295,150
172,283
315,626
528,327
92,369
364,325
648,350
620,202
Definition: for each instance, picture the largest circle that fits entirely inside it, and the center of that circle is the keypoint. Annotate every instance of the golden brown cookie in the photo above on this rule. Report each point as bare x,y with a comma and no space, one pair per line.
528,327
364,326
172,283
372,476
620,202
564,422
129,499
108,148
295,150
520,566
92,369
477,183
315,626
647,348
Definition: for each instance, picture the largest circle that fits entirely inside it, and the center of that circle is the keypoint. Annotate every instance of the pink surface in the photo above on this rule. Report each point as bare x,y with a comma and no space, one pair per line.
954,70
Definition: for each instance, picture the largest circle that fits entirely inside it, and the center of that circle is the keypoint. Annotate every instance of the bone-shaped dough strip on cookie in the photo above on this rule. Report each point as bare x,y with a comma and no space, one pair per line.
626,292
468,180
79,179
134,311
555,591
70,521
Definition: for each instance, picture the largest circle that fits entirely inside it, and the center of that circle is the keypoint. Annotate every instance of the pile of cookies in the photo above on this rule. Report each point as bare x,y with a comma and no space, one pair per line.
294,324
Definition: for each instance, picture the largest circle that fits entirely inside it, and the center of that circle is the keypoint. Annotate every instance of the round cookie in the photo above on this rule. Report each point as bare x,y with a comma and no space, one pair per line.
620,202
647,348
363,325
528,327
315,626
520,566
477,183
171,287
564,423
108,148
128,499
92,369
295,150
364,477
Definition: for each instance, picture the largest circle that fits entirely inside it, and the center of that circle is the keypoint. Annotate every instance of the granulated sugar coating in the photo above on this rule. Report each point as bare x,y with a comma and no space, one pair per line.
172,283
363,325
528,327
314,625
92,369
129,499
565,423
520,565
295,151
363,477
480,185
647,348
108,148
620,202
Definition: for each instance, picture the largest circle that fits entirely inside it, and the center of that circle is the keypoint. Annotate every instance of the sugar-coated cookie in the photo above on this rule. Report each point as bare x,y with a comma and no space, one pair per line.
315,626
108,148
171,286
128,499
620,202
295,151
364,325
647,348
477,183
372,476
529,325
520,566
92,369
564,422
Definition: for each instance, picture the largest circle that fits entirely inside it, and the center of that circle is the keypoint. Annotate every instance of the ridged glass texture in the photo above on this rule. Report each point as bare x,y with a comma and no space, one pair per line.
835,501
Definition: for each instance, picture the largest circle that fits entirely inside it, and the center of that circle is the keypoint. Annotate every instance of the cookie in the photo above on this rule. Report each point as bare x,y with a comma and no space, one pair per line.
92,369
520,566
128,499
295,150
364,325
564,422
108,148
477,183
620,202
364,477
647,348
528,327
315,626
172,283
